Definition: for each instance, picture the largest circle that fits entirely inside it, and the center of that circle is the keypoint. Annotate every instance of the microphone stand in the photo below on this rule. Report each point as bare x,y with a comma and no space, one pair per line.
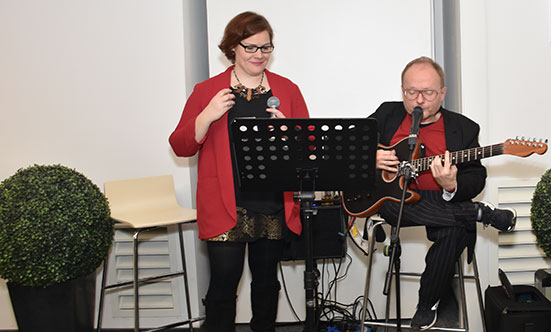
395,249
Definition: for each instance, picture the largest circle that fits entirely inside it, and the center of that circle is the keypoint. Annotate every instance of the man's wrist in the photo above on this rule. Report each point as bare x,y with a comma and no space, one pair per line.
448,195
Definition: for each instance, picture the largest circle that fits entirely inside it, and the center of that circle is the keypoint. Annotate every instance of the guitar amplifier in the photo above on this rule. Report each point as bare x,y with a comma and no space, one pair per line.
328,235
526,310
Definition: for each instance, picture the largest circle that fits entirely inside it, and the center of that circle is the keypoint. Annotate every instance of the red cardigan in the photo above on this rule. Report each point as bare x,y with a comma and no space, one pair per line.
216,209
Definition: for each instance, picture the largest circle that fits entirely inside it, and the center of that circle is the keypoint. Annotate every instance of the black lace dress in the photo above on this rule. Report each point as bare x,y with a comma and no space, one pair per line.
259,214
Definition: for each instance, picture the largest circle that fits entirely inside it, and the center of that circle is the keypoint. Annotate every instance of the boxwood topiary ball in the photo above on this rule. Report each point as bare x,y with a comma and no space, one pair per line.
55,226
540,212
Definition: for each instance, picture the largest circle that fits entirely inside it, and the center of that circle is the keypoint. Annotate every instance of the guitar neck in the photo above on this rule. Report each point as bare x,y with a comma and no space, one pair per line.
463,156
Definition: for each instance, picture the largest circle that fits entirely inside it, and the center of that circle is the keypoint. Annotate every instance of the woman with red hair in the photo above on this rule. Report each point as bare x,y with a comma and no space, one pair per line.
230,219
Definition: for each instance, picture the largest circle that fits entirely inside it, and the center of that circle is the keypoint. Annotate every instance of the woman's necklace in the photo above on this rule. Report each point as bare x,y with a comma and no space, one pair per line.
249,93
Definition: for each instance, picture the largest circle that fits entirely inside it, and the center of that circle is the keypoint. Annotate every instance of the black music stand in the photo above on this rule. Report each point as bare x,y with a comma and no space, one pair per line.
305,155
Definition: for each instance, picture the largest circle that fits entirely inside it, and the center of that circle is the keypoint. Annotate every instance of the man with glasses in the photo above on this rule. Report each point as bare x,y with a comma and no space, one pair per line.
445,207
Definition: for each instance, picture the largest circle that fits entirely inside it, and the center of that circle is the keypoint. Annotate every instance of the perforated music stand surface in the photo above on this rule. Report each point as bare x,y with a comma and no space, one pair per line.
271,153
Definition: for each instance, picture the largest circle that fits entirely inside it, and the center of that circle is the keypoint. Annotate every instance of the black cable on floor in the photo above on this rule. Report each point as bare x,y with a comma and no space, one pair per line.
287,295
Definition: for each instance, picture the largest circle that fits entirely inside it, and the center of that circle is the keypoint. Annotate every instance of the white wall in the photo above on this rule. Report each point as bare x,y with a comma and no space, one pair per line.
346,56
506,47
519,68
95,85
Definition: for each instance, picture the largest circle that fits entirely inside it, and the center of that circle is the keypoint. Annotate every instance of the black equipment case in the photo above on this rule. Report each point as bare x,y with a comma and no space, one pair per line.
527,310
328,233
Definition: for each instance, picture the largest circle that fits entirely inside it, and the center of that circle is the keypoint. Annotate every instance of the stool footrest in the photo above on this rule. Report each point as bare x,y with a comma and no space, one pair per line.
173,325
145,280
417,274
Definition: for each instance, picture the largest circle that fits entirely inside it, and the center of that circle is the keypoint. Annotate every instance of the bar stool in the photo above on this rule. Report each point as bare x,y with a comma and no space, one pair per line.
143,204
371,228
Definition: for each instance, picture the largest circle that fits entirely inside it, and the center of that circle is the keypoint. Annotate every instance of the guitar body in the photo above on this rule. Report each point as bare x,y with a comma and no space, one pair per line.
388,186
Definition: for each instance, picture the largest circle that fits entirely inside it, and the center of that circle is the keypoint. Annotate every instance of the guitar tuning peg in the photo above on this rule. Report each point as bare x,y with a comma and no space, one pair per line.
522,138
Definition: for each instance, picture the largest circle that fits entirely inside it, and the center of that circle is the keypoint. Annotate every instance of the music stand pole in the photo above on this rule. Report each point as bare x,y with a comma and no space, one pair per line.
310,276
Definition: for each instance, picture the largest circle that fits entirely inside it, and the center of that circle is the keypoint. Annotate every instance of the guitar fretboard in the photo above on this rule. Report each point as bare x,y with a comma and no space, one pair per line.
463,156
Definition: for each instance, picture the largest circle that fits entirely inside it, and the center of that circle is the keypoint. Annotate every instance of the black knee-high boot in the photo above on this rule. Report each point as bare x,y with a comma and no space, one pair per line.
220,315
264,301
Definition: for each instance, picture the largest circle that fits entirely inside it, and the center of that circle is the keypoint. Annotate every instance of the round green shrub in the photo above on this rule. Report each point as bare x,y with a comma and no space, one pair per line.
540,212
55,226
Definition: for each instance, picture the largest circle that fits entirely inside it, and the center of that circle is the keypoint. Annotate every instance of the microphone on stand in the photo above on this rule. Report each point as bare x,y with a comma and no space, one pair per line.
416,115
273,103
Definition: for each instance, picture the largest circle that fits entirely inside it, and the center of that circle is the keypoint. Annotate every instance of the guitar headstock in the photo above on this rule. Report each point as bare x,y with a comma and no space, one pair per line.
524,148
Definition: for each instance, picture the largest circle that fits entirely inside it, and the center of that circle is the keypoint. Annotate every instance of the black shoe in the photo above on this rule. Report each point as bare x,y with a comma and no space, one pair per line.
501,219
424,317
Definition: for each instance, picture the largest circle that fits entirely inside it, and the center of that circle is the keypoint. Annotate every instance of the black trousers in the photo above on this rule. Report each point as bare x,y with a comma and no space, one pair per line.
226,264
450,226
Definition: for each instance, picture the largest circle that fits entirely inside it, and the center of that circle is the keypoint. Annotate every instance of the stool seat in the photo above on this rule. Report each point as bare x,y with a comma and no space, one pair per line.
143,204
146,202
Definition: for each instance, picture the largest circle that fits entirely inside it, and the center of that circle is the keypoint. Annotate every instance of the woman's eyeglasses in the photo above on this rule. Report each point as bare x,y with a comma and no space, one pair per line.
254,48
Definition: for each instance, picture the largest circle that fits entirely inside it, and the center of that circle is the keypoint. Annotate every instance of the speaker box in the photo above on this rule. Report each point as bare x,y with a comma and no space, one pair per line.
328,235
527,310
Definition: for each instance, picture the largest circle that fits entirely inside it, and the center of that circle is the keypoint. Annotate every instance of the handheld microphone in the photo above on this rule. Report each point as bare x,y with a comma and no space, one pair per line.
273,103
416,115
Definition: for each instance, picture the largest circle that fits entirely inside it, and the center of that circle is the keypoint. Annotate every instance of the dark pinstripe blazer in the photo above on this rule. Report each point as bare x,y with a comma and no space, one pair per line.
461,133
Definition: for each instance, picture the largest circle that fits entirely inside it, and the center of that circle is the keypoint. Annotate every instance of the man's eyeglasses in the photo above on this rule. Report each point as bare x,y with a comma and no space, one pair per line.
428,94
254,48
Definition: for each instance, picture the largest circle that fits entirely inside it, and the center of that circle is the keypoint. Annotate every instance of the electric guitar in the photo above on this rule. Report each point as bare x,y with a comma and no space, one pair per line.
389,185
